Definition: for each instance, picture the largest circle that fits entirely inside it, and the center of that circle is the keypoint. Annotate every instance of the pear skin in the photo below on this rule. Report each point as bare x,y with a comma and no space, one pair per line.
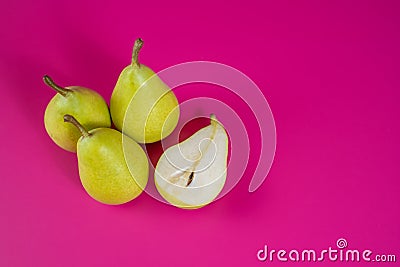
105,173
83,103
142,106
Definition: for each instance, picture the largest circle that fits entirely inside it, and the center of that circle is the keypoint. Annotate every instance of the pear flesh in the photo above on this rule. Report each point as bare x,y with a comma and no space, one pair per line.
105,173
85,104
191,174
142,106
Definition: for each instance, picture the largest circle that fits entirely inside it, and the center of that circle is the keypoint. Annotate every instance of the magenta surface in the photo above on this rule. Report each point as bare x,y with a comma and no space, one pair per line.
330,73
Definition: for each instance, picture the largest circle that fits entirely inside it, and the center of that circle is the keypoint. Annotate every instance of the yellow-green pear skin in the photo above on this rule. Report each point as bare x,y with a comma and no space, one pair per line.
113,169
85,104
142,106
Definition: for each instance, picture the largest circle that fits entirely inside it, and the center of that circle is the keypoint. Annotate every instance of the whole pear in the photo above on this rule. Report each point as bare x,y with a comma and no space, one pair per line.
111,171
142,106
83,103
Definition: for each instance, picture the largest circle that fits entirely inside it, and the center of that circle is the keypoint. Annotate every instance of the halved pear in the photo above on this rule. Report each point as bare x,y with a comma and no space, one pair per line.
191,174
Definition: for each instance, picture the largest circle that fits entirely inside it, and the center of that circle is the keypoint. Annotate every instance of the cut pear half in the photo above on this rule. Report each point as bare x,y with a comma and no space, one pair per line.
192,173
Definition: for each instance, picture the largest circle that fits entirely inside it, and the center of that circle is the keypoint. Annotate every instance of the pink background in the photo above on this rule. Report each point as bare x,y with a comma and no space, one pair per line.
329,70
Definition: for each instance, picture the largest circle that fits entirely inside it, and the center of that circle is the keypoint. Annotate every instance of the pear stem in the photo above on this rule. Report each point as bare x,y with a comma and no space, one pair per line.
71,119
213,119
61,90
135,54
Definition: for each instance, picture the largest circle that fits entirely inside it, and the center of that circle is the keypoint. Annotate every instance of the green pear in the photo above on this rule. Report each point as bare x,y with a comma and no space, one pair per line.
191,174
142,106
111,171
85,104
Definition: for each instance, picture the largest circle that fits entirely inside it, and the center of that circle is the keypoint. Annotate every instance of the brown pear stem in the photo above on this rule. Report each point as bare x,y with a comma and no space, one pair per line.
61,90
71,119
135,54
